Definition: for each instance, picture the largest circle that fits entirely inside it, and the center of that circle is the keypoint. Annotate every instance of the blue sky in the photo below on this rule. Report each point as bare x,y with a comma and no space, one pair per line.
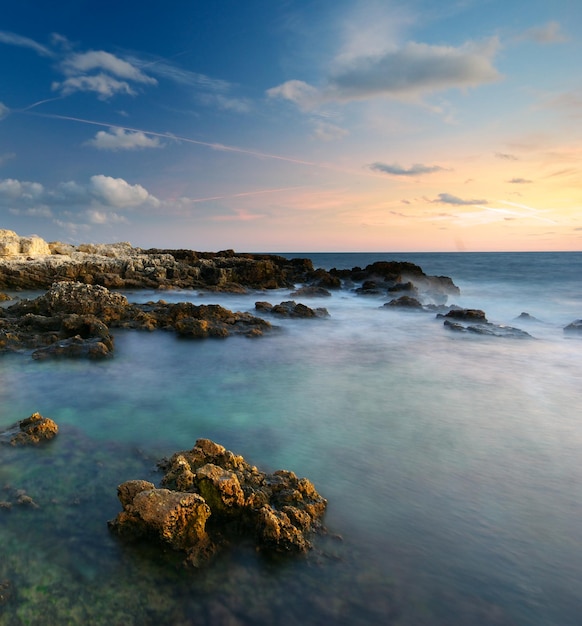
294,125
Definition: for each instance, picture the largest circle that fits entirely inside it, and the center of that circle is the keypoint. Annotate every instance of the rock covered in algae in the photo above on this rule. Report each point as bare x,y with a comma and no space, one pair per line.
31,430
211,484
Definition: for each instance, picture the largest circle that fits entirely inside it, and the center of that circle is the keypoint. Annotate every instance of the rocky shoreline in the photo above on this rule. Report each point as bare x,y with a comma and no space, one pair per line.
75,316
81,306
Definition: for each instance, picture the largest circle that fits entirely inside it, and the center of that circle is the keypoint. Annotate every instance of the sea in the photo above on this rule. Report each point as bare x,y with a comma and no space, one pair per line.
451,462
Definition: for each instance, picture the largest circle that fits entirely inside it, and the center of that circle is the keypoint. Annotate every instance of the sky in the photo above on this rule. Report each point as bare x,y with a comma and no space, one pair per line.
294,125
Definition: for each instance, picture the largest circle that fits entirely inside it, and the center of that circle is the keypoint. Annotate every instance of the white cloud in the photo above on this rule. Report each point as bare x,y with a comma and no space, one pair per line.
328,132
105,217
101,201
225,103
37,211
11,188
13,39
414,70
4,110
303,95
105,86
82,63
118,193
447,198
547,34
397,170
181,76
100,72
121,139
408,72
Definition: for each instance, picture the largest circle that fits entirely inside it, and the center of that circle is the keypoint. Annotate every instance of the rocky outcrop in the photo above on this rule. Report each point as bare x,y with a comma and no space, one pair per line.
465,315
175,519
30,431
311,291
574,327
405,302
383,277
487,328
32,263
209,497
75,320
290,308
12,245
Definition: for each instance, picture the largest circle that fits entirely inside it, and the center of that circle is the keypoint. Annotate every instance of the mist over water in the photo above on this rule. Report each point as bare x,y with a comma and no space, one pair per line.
452,463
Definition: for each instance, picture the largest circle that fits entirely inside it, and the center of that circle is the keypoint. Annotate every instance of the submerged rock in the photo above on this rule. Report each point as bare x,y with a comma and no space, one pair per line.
468,315
494,330
210,496
574,327
405,302
30,431
290,308
311,291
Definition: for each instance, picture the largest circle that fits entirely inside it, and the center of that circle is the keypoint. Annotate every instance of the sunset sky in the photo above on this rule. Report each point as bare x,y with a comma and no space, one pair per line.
294,125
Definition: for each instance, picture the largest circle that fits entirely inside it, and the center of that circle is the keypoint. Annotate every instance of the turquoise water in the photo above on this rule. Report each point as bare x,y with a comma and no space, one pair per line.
452,464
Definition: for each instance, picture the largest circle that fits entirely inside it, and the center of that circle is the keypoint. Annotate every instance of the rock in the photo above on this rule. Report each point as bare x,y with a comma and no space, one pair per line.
75,347
173,518
311,291
526,317
74,319
31,263
11,245
574,327
405,302
408,287
279,511
6,591
30,431
290,308
465,315
493,330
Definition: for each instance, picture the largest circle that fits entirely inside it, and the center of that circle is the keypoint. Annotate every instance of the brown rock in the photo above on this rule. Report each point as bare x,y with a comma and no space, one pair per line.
33,430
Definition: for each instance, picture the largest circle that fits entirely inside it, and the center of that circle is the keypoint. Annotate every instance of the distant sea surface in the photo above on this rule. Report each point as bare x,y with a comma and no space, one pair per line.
452,463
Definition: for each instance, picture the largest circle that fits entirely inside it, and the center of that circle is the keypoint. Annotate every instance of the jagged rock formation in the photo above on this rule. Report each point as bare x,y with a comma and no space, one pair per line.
74,319
574,327
31,263
385,277
210,496
290,308
480,325
30,431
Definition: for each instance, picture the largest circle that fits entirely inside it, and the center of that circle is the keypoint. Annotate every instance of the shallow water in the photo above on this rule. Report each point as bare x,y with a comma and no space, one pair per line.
452,463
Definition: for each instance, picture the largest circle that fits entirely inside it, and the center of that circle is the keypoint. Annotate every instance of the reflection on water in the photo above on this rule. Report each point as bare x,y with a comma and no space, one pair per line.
452,466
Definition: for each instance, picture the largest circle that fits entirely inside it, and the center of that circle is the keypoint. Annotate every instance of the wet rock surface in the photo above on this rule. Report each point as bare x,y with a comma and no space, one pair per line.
290,308
30,431
574,328
75,320
210,497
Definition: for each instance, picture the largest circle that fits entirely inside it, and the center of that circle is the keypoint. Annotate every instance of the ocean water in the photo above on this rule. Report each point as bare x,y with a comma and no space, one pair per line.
452,463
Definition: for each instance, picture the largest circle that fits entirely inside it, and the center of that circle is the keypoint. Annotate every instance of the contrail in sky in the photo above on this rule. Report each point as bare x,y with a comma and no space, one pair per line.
245,193
207,144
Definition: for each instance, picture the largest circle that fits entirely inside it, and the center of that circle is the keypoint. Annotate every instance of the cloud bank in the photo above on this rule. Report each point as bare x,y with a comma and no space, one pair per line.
408,72
447,198
415,170
98,201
